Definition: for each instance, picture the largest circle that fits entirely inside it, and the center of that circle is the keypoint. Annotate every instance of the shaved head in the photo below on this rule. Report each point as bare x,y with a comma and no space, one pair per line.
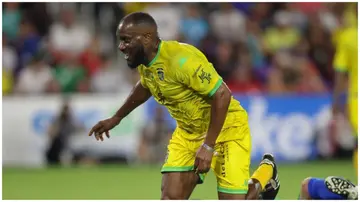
138,38
142,22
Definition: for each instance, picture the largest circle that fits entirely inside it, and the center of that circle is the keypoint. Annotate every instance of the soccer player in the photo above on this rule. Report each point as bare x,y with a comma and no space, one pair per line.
212,128
346,65
331,188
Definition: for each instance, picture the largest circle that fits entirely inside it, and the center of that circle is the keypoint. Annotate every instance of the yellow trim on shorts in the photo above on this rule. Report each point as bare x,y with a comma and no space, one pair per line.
232,191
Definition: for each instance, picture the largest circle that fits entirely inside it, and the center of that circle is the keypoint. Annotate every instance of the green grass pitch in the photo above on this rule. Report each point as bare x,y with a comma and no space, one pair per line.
140,182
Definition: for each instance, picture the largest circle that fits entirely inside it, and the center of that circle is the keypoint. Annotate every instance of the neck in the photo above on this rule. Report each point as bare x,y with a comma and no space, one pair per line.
153,51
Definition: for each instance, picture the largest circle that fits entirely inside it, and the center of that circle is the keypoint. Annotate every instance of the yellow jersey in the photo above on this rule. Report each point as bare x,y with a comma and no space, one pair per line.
182,79
346,58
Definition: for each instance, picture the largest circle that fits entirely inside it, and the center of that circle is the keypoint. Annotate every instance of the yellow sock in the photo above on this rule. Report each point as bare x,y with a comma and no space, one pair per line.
355,161
263,174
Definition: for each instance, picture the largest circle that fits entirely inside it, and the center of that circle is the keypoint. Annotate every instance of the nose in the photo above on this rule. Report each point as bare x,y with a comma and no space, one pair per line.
122,47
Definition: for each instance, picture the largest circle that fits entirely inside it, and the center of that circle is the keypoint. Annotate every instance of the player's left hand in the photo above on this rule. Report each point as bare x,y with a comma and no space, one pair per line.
203,160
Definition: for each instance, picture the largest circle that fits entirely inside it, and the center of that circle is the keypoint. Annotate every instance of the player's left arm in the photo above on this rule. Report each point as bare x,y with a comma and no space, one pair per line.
219,106
340,64
201,76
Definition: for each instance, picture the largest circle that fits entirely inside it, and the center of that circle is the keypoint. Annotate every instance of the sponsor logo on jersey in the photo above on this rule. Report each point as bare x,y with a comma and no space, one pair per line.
205,76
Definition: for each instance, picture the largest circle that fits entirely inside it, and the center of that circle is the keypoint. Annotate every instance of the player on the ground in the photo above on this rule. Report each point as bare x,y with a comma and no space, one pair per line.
331,188
346,65
212,127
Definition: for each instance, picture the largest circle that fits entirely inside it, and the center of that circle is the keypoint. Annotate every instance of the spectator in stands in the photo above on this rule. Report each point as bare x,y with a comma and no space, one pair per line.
224,63
293,72
7,82
308,8
91,59
71,76
297,18
11,20
194,27
320,49
111,77
168,18
228,23
281,36
242,79
310,79
244,7
68,38
255,45
36,78
9,56
265,29
282,79
28,42
261,14
39,16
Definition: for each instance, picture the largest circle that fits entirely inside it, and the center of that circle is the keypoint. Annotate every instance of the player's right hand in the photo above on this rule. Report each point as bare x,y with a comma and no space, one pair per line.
103,127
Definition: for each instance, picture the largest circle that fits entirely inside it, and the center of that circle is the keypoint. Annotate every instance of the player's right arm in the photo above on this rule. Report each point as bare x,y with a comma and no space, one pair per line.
138,96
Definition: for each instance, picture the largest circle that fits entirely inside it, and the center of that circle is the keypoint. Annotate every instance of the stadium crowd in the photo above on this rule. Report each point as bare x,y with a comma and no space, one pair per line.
256,47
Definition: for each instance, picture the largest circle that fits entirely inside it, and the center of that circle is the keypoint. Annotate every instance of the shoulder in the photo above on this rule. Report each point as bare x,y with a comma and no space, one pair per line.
183,52
173,53
140,69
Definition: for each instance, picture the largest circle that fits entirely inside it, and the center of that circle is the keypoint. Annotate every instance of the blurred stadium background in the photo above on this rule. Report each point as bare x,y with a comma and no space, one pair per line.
62,73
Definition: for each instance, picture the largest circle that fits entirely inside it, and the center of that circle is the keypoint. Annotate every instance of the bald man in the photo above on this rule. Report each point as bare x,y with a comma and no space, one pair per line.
212,127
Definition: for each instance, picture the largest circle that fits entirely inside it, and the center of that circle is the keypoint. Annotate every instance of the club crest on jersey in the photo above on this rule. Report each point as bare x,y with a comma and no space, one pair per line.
160,73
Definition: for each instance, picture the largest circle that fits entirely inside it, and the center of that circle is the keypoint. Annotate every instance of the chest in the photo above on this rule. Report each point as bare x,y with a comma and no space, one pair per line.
162,84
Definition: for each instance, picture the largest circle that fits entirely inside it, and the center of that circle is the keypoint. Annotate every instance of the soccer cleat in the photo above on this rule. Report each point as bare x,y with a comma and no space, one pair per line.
342,187
273,186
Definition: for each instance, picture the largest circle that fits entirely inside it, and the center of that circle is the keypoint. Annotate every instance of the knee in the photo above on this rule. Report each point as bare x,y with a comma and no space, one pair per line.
304,193
170,194
254,190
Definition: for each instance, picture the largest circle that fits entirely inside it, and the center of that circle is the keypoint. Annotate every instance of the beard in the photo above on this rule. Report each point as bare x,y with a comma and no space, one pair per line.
138,58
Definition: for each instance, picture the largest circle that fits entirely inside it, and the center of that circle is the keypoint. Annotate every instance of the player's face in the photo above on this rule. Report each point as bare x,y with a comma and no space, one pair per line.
131,44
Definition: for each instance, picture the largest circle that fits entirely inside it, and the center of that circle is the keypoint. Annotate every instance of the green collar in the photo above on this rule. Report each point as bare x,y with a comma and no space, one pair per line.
156,56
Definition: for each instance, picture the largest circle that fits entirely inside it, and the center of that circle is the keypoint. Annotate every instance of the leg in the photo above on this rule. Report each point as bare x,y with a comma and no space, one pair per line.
232,184
304,191
226,196
255,189
353,117
316,188
355,159
264,183
179,178
231,165
178,185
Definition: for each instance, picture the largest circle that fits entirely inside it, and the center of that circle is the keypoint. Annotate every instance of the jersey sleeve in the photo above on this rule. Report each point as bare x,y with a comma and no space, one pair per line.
142,81
341,56
199,75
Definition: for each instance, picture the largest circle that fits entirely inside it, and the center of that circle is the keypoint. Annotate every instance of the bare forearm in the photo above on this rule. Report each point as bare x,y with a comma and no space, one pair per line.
340,81
138,96
219,108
